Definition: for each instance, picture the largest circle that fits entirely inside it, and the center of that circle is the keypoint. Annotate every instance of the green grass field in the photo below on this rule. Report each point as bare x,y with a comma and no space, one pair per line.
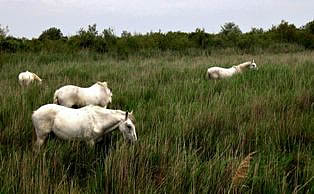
192,132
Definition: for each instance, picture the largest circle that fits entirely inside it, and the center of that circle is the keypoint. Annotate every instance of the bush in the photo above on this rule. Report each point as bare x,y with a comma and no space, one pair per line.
230,37
51,34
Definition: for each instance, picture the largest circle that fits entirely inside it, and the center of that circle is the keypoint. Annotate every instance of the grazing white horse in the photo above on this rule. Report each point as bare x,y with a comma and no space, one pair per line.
220,72
76,97
89,123
25,78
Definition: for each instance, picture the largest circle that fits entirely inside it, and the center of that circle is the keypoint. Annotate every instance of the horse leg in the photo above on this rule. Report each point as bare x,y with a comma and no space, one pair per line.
21,83
40,137
24,83
39,141
209,76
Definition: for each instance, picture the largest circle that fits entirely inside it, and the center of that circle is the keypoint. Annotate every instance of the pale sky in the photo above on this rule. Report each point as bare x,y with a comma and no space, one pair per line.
29,18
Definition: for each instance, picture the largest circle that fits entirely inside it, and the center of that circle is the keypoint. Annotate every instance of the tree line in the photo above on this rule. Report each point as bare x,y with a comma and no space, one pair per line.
283,37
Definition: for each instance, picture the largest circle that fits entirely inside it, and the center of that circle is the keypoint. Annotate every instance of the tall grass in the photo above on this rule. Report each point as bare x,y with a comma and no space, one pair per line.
193,133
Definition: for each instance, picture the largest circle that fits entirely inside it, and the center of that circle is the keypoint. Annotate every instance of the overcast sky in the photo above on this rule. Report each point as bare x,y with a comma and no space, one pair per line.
28,18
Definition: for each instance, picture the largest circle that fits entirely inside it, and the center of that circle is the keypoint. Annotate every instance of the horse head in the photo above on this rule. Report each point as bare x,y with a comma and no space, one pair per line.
253,65
127,127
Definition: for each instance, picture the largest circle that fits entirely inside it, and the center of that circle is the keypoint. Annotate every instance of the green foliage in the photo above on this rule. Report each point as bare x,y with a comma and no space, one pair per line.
230,29
3,32
309,27
230,33
283,36
87,38
285,32
11,44
109,39
200,38
51,34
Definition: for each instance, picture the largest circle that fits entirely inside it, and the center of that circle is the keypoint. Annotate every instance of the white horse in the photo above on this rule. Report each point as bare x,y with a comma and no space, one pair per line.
220,72
89,123
25,78
76,97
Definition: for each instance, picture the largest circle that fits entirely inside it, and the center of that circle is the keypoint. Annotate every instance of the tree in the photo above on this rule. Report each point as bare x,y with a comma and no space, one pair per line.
4,31
92,30
286,32
87,38
306,35
110,38
230,34
309,27
126,34
200,37
108,33
51,34
230,28
256,30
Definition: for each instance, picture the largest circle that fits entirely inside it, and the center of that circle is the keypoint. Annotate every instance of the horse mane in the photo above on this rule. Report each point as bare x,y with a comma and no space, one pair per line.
99,109
103,84
245,64
130,115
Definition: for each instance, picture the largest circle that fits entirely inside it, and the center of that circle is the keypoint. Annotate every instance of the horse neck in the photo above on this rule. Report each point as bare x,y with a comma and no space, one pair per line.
36,77
99,87
114,127
242,66
120,116
94,86
115,118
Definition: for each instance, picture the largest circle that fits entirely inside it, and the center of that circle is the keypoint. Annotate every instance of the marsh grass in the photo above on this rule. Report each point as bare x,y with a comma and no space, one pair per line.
192,132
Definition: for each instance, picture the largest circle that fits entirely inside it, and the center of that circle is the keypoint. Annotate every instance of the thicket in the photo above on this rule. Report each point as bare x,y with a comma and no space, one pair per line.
284,37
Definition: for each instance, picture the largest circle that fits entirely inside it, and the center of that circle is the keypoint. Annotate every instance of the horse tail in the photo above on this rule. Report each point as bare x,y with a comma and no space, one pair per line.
43,120
208,74
213,74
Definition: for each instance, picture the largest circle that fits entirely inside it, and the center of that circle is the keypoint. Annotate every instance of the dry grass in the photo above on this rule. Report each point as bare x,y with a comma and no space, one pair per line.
242,171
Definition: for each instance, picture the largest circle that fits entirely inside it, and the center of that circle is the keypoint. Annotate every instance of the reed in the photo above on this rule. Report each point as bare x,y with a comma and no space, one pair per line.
191,131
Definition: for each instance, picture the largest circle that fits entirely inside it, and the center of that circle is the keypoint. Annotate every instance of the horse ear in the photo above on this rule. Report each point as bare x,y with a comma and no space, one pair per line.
103,84
126,115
